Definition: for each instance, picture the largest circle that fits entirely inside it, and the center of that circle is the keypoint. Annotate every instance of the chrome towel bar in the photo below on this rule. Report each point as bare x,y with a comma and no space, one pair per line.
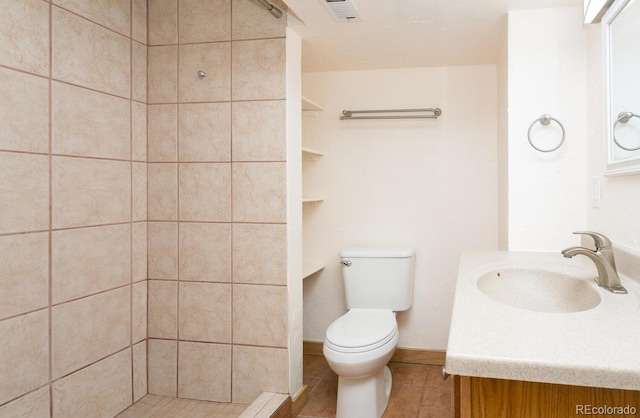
428,113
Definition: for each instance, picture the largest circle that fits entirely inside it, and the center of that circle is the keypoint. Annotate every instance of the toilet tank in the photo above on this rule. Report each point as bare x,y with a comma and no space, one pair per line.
378,278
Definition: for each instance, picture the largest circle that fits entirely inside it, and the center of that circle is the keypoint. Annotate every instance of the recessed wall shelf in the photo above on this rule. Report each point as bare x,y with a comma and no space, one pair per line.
309,269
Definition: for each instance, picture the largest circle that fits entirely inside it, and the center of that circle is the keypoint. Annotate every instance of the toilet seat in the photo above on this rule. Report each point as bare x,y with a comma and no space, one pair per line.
361,330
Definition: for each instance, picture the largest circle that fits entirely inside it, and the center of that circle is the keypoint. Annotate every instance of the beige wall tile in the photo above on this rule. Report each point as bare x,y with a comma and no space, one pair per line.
24,195
162,79
24,281
90,192
24,106
139,74
205,312
139,370
163,191
163,250
205,252
88,329
77,60
139,131
205,20
259,131
260,315
90,124
139,192
204,371
214,59
205,192
25,46
24,354
163,22
163,309
89,260
113,14
139,311
101,390
259,192
256,370
32,405
260,254
139,251
139,17
163,367
251,22
205,132
259,69
163,133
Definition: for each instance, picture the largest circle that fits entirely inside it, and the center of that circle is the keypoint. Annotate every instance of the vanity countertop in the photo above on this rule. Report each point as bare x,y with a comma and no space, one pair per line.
598,347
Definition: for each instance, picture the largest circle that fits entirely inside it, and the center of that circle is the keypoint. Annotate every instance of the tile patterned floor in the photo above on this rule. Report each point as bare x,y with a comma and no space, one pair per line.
418,391
166,407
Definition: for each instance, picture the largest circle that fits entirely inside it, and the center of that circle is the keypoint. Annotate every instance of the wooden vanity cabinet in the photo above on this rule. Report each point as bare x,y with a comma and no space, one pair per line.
479,397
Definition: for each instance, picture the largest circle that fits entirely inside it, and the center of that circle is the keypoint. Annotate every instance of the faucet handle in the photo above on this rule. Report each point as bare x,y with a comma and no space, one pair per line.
601,241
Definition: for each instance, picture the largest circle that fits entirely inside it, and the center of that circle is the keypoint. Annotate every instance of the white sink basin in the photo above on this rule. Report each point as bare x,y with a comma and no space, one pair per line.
539,290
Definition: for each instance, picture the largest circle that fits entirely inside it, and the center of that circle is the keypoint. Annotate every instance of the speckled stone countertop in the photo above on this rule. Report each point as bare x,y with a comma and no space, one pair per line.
597,347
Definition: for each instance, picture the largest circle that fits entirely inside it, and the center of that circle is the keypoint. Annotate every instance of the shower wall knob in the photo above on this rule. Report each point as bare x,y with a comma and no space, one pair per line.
202,74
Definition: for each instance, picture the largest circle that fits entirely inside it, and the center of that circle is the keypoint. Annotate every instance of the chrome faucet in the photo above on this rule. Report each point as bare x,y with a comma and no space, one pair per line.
603,259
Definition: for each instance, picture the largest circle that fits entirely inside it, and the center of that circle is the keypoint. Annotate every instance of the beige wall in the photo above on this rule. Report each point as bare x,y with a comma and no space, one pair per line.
217,201
72,207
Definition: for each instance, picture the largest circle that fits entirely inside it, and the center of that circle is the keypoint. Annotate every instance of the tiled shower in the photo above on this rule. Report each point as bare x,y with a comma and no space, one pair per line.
143,218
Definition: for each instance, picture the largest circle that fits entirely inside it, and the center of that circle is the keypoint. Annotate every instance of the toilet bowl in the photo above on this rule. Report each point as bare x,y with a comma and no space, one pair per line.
357,347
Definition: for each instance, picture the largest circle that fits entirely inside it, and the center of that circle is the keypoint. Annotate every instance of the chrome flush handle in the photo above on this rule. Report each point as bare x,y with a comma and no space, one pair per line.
346,263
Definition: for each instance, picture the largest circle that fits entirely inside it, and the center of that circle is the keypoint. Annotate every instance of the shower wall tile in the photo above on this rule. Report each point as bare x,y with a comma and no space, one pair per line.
205,20
163,309
24,195
139,192
139,131
260,315
259,192
90,192
163,133
212,58
163,191
162,79
196,379
260,253
24,354
33,405
162,367
114,14
77,61
139,18
24,104
139,251
77,340
139,72
205,132
104,386
163,250
139,311
256,370
90,124
259,69
204,192
205,312
163,22
259,131
25,273
250,22
89,260
25,47
139,371
205,252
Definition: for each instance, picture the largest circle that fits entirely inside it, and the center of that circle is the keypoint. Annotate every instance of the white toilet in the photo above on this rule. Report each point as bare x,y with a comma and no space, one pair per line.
378,282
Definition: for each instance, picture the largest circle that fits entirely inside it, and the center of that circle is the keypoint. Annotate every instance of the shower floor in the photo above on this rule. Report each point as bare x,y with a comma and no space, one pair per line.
168,407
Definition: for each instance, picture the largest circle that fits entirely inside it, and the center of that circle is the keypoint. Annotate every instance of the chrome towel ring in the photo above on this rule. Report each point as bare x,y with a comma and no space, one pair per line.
544,121
624,117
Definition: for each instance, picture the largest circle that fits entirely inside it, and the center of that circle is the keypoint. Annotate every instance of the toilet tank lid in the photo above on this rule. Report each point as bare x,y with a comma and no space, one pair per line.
377,252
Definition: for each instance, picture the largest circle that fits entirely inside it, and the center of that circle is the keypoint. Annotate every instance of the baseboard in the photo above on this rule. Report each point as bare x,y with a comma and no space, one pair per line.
299,400
402,355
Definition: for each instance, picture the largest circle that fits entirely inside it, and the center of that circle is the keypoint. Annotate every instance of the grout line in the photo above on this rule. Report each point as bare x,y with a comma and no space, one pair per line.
177,127
50,232
132,197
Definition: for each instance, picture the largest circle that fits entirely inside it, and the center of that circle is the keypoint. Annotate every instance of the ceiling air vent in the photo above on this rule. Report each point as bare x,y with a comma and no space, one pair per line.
342,10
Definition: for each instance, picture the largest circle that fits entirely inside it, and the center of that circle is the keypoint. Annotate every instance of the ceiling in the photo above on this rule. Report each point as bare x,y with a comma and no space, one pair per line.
406,33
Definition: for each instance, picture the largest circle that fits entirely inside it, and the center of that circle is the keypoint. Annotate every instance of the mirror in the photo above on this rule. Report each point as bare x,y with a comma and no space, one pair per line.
621,37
